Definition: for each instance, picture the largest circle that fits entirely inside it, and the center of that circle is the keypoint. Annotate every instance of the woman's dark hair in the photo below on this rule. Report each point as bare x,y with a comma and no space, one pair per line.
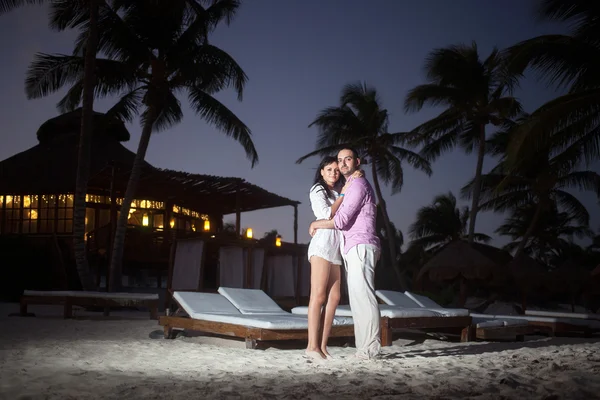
319,179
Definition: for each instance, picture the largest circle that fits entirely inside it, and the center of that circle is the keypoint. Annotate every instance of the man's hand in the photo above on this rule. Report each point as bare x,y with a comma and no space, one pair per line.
320,224
359,173
311,229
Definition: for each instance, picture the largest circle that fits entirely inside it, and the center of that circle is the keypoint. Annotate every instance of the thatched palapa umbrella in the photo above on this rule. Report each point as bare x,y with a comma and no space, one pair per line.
570,278
458,260
528,274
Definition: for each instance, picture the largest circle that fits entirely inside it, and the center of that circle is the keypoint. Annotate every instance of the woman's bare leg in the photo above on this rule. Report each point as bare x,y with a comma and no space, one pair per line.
333,299
319,275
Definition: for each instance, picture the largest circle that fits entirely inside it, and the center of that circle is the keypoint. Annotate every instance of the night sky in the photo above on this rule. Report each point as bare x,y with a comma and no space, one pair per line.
298,56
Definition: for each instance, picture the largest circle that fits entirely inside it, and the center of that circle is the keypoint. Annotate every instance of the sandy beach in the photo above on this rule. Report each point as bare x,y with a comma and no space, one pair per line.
94,357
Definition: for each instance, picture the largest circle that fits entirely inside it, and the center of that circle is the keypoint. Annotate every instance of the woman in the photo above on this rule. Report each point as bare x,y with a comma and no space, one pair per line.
324,256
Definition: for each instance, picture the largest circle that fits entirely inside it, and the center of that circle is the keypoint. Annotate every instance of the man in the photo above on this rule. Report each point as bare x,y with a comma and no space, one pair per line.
360,250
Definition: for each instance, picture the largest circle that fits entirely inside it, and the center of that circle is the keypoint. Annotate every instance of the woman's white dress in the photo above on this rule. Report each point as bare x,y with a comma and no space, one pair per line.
326,242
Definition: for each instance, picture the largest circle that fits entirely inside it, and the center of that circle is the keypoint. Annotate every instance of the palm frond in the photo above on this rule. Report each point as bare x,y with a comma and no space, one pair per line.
563,61
72,99
412,158
208,67
128,106
68,14
48,73
324,151
217,114
9,5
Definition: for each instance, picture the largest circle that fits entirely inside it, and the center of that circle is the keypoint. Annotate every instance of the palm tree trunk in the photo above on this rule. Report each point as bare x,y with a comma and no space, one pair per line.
84,152
134,177
388,231
477,184
530,229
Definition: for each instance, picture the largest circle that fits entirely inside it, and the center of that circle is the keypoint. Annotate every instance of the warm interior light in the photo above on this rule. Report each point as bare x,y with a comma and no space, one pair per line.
33,214
278,241
172,223
145,220
207,225
249,233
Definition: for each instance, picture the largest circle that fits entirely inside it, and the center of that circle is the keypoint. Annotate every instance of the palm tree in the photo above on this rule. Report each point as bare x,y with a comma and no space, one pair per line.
567,62
552,235
441,223
154,51
72,14
542,179
361,122
475,94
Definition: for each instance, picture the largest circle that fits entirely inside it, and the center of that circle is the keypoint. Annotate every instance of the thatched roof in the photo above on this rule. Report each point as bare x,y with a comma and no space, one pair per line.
527,272
455,259
50,167
69,125
569,277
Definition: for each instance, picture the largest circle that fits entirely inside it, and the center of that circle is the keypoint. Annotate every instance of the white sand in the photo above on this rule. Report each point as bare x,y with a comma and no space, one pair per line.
92,357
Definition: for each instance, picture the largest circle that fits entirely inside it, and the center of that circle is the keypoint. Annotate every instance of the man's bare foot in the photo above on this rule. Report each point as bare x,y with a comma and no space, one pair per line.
316,354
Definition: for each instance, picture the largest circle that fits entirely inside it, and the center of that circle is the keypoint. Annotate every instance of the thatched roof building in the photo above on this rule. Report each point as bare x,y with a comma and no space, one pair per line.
37,185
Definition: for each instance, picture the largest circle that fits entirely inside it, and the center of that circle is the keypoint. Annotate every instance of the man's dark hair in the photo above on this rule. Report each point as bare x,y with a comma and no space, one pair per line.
352,149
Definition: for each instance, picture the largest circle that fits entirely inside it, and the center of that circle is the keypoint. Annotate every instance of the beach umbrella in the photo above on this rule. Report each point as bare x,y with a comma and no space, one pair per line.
458,259
528,275
570,278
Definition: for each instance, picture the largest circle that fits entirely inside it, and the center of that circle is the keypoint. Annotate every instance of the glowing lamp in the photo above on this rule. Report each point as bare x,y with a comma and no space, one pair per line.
207,225
172,223
145,220
249,233
278,241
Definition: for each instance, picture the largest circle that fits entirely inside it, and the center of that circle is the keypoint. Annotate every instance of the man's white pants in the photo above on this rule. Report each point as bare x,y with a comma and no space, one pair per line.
360,271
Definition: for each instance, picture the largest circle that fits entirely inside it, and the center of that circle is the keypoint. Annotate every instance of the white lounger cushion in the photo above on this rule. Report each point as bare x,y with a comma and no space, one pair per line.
429,304
98,295
251,301
489,321
216,308
570,321
385,311
205,303
562,314
399,299
405,300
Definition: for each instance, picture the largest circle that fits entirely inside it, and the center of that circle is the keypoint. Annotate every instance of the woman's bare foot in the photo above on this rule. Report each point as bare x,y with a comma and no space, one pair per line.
326,353
316,354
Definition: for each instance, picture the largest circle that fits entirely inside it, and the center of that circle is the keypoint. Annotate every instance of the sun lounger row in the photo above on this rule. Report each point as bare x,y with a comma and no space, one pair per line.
551,323
68,299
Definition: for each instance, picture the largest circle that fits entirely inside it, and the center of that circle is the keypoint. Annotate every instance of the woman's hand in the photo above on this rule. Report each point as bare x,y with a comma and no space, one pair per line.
359,173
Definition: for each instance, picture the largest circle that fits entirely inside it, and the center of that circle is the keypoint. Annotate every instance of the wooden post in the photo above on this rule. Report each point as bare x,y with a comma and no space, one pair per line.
295,223
238,217
113,223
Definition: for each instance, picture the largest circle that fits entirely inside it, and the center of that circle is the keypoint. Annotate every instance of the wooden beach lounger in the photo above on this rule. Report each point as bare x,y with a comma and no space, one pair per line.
394,318
68,299
252,316
483,327
538,321
565,314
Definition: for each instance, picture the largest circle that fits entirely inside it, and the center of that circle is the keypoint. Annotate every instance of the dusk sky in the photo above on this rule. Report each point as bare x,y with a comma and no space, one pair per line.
298,55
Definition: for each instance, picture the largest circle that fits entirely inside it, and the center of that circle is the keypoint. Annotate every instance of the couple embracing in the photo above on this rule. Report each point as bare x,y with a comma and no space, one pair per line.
344,204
